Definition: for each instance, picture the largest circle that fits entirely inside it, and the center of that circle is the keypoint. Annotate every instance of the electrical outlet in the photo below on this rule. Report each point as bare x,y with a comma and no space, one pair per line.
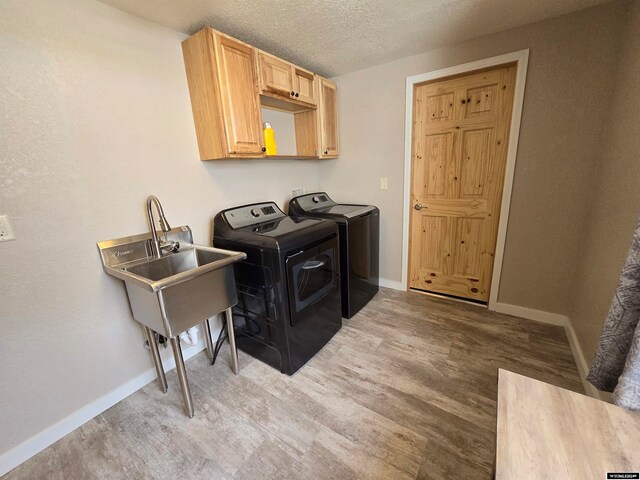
384,183
296,192
6,232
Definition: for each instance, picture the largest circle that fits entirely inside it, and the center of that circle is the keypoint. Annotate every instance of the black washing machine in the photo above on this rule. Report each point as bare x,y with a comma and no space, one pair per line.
289,285
359,227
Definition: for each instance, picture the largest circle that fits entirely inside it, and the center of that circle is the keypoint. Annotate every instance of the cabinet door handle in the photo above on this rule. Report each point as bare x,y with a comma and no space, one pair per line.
293,93
264,149
296,94
418,206
326,152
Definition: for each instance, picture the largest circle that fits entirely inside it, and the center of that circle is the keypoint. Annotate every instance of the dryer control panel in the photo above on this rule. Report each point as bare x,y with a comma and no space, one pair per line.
246,215
314,201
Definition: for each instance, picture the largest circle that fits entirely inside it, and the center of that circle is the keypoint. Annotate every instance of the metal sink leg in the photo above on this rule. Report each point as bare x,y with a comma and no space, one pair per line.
182,376
232,340
157,361
206,331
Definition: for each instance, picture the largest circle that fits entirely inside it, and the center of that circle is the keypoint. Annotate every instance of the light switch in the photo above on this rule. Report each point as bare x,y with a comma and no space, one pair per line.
384,184
6,232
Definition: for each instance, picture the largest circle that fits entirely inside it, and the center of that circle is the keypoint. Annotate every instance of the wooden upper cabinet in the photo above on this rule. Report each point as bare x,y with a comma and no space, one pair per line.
239,94
225,100
328,118
230,81
283,79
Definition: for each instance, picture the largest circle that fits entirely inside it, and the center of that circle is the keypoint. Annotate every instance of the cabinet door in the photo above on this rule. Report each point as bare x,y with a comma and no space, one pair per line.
275,75
304,86
328,110
240,97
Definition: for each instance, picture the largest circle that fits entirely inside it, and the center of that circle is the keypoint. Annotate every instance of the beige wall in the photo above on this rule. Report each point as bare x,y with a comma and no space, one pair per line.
568,88
95,116
614,204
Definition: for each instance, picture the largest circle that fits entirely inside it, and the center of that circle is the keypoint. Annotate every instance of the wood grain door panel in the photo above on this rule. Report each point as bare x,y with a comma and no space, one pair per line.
459,145
431,172
240,96
477,153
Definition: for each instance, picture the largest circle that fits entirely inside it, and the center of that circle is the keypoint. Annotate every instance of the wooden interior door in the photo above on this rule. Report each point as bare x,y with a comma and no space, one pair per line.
240,96
328,110
459,150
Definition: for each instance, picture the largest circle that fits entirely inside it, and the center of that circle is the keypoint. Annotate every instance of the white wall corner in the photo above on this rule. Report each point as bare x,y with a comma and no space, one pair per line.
47,437
395,285
562,321
581,362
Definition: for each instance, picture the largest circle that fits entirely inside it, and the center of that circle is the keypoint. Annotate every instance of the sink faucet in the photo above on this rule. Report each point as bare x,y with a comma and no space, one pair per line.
157,247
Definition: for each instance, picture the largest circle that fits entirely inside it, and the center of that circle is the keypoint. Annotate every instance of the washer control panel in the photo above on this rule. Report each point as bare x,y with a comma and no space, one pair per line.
251,214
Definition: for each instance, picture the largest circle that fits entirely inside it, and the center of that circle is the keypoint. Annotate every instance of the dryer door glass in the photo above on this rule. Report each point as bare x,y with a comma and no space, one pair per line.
312,274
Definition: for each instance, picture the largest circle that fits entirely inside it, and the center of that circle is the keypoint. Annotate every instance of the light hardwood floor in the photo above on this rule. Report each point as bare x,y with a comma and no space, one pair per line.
407,389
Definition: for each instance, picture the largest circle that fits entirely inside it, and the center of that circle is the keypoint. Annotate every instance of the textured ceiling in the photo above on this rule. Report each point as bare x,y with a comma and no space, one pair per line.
332,37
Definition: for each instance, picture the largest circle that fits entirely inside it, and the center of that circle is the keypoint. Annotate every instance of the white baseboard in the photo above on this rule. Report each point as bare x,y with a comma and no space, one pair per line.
446,298
562,321
391,284
40,441
531,314
581,363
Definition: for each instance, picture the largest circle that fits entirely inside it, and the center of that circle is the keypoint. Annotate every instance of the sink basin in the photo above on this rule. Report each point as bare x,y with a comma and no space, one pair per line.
191,261
177,291
175,263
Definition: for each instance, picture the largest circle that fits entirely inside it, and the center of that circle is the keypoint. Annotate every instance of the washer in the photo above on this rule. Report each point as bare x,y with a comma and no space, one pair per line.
359,227
289,285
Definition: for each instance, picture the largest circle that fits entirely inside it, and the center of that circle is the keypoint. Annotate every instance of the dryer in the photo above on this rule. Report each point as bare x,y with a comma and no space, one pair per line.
288,286
359,227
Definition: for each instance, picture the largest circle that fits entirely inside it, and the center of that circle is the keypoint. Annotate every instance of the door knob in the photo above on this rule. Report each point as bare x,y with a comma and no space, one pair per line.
418,206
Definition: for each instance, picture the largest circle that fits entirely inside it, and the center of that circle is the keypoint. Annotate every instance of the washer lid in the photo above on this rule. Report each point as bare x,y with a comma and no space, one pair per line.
319,204
347,211
264,225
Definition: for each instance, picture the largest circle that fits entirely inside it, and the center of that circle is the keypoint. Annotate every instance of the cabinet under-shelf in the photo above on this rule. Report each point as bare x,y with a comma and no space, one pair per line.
275,102
293,157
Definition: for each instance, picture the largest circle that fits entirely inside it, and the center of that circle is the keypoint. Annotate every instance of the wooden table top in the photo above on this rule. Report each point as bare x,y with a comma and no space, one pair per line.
549,432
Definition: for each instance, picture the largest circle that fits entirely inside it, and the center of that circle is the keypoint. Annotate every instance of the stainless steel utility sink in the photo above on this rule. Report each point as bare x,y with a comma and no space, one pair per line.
174,285
178,290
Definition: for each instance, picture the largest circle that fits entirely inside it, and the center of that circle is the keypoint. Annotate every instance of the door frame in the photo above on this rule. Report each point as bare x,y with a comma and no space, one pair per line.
521,59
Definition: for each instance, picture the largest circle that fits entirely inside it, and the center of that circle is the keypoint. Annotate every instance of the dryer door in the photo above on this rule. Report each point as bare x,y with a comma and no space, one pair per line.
312,277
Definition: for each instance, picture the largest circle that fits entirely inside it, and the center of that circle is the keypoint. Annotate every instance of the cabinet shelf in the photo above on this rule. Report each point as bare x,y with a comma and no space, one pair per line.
293,157
276,102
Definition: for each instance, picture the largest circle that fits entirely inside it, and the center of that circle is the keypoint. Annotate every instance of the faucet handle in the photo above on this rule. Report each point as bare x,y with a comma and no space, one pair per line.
172,246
